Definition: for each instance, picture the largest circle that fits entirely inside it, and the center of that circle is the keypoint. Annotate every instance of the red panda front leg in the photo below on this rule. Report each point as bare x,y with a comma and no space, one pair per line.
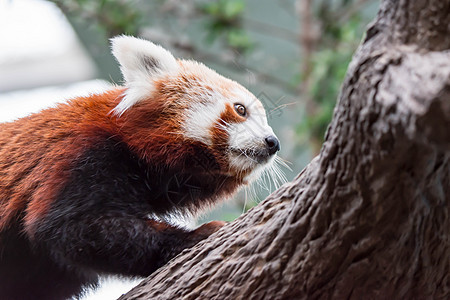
118,245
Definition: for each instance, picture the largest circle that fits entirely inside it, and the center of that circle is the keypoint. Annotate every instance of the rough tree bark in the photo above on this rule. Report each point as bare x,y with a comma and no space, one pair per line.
369,217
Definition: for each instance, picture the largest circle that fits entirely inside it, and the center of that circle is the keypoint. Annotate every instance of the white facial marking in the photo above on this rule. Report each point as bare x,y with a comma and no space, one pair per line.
201,117
141,62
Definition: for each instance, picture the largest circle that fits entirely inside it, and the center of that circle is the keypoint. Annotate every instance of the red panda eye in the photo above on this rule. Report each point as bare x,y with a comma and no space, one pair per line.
240,109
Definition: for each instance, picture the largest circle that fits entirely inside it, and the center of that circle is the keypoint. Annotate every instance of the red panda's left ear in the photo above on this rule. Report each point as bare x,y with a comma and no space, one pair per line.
141,62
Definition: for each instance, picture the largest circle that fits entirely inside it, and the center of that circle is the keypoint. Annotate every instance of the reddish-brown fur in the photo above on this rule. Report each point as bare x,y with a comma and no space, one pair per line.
36,151
220,137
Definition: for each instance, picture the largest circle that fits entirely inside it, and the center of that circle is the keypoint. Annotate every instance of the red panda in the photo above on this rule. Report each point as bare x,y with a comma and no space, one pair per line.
79,181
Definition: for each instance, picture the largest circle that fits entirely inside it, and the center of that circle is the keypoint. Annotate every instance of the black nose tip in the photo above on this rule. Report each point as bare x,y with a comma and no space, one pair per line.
273,145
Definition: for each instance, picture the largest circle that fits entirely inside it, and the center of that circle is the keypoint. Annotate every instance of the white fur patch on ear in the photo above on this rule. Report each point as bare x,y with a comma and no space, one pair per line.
141,62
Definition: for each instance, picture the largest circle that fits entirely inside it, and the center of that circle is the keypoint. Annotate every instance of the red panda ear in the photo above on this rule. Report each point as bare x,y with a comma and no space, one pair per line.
141,62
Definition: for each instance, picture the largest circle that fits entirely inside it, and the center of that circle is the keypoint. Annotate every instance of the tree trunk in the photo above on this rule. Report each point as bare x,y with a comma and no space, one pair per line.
369,217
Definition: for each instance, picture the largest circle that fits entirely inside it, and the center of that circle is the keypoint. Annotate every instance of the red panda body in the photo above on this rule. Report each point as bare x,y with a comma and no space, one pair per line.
78,182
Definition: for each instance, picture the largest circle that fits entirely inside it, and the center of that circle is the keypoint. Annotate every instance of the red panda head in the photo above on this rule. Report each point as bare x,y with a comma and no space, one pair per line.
170,104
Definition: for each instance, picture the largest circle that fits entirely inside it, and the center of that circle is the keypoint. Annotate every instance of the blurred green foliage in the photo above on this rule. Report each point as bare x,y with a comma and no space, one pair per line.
112,16
330,62
342,24
225,20
223,17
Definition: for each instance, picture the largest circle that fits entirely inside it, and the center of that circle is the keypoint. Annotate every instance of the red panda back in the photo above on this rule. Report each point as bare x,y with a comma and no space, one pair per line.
35,151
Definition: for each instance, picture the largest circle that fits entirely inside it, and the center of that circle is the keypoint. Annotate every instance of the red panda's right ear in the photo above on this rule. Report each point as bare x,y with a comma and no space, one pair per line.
141,62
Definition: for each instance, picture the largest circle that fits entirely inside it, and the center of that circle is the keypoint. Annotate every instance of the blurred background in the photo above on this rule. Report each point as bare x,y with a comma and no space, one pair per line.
292,54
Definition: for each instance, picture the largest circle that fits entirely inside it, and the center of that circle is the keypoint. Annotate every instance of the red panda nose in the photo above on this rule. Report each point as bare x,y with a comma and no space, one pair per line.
273,145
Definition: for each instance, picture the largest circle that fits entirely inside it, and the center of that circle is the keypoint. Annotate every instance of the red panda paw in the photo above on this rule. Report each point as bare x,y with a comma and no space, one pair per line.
209,228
